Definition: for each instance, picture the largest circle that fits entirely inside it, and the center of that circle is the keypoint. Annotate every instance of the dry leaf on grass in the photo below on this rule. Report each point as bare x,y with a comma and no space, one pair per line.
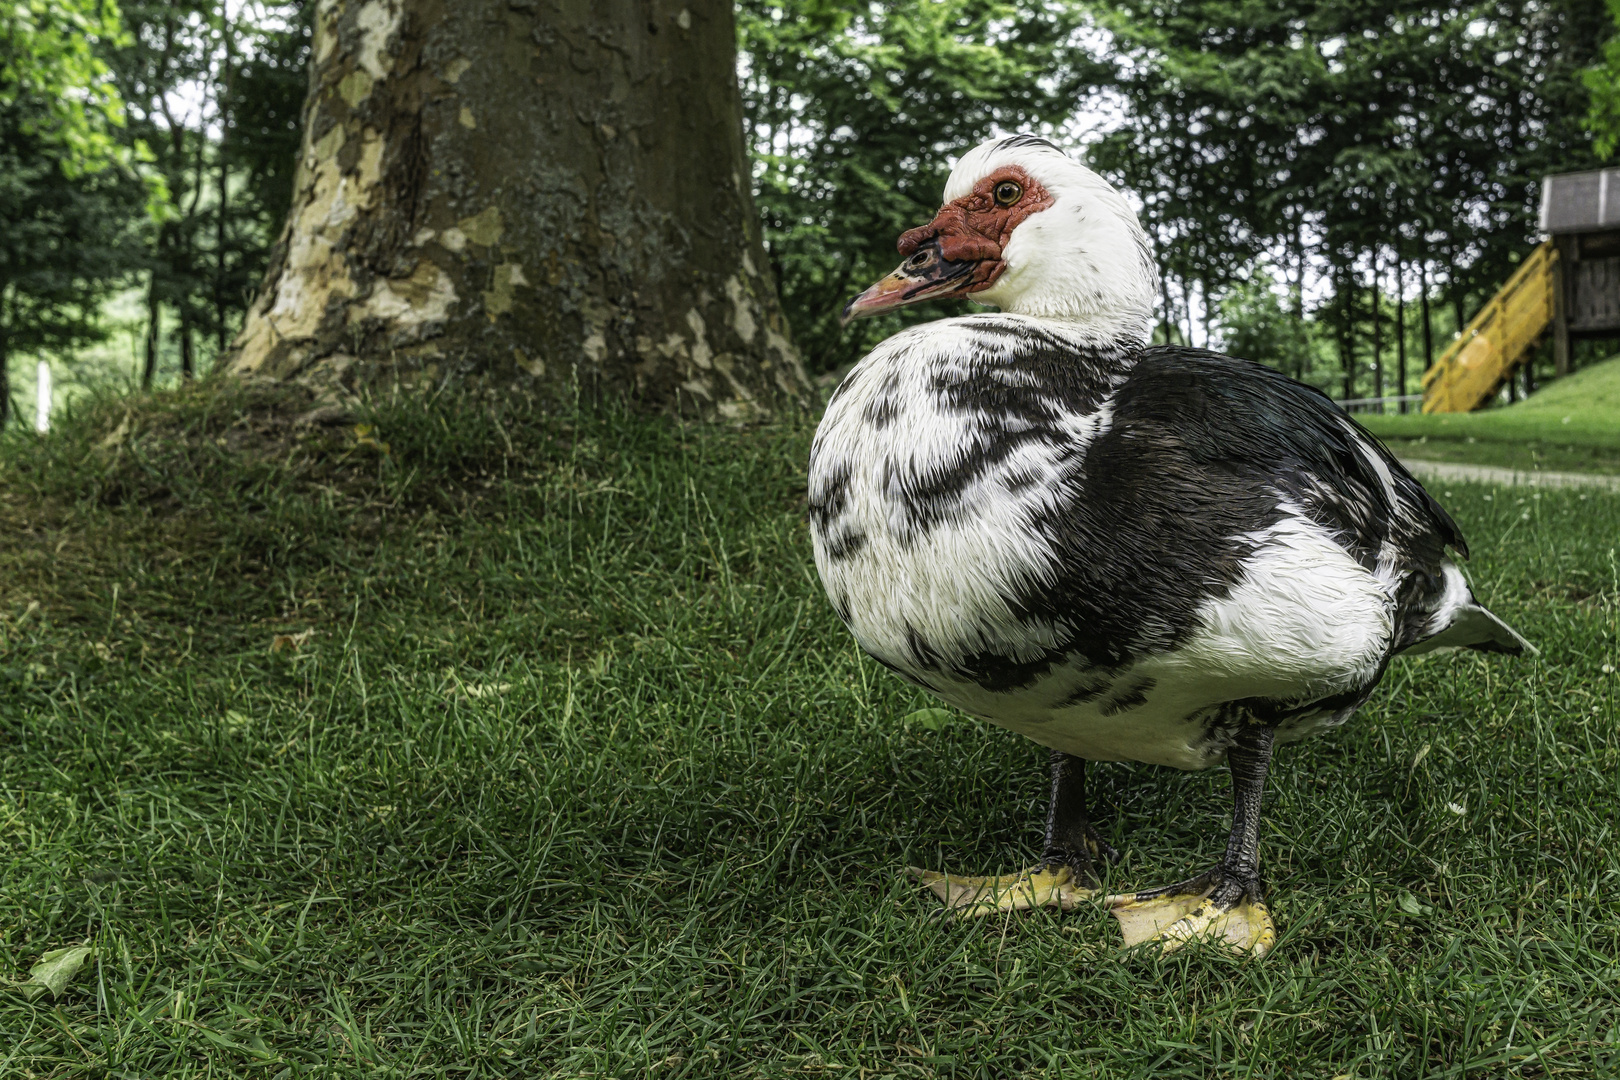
479,690
53,972
116,436
366,435
290,642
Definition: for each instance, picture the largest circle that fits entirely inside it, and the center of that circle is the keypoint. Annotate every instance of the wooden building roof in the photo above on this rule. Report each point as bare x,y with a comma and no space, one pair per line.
1580,202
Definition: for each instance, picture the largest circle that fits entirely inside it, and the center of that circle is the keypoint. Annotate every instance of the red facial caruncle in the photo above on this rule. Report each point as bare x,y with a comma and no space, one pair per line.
960,251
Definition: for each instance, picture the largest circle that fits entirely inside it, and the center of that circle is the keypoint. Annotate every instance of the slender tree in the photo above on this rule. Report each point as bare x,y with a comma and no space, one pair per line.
222,179
1400,324
170,46
1377,329
1423,302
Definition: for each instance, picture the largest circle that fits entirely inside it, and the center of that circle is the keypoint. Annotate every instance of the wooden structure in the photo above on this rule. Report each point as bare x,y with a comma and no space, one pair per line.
1570,283
1581,213
1485,355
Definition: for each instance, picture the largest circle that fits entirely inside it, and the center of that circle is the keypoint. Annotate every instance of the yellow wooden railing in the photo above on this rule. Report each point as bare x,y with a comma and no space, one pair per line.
1473,368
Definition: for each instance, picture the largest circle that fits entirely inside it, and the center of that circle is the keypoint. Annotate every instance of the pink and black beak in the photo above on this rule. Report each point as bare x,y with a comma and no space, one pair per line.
960,251
926,274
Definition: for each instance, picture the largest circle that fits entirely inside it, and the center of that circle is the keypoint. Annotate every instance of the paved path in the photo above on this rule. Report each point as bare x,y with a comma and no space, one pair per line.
1490,474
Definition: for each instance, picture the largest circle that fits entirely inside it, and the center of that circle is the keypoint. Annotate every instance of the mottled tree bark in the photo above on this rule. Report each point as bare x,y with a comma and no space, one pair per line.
553,191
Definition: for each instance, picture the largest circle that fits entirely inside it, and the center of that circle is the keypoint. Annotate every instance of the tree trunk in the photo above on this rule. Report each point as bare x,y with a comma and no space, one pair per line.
526,190
1423,301
1299,272
1186,306
1347,335
5,362
154,312
1203,296
1377,332
1400,330
1164,308
188,359
222,178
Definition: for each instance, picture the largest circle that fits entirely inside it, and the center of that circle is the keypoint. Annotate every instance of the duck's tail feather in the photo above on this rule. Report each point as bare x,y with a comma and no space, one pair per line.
1455,620
1474,627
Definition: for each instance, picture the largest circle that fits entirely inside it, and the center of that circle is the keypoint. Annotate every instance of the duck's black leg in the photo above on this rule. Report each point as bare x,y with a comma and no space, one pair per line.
1227,902
1071,840
1067,873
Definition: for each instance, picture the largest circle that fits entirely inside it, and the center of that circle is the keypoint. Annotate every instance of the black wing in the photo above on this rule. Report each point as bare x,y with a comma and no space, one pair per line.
1245,414
1202,451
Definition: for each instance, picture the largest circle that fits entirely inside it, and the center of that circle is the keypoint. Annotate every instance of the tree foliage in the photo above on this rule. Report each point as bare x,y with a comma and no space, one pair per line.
1257,322
215,91
66,239
854,114
1343,157
50,56
1348,142
1602,81
70,199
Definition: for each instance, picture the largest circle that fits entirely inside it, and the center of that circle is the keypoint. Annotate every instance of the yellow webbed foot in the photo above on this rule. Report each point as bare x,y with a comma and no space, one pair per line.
1039,886
1175,919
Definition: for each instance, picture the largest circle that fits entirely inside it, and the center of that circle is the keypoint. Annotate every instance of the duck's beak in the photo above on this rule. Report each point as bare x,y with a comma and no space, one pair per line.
925,275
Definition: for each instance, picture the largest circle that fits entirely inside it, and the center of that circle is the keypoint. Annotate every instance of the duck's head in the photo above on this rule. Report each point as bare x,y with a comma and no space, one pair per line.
1033,232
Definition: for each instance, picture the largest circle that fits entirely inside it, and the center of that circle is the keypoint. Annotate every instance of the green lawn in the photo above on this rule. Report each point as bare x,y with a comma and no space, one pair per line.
577,775
1572,425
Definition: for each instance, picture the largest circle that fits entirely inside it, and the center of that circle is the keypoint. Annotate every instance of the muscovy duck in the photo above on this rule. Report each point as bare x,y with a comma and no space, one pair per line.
1126,553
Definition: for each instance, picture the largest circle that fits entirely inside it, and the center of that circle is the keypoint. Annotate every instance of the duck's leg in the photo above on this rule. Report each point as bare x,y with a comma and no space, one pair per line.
1226,903
1067,873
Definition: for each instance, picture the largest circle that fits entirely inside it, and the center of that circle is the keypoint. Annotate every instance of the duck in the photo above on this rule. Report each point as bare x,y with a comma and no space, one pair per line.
1126,552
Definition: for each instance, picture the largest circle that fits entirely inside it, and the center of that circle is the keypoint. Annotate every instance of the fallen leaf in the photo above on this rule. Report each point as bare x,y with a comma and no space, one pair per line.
928,719
478,690
322,414
1409,904
54,971
116,436
366,435
290,642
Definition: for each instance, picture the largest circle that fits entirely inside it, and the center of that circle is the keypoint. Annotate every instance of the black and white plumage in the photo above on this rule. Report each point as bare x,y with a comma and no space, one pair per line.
1125,553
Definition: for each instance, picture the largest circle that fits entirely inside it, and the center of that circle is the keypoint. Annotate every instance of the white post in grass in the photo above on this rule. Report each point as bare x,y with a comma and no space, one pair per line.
42,398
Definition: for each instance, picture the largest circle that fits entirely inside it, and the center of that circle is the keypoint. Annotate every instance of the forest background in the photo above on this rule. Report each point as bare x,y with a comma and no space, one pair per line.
1332,188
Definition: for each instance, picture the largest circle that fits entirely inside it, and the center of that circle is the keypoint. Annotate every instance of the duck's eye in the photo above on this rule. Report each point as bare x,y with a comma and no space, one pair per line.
918,260
1007,192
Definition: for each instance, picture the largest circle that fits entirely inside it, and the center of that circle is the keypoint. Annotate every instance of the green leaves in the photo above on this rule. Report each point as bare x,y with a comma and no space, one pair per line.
54,971
1602,81
854,112
48,54
1338,141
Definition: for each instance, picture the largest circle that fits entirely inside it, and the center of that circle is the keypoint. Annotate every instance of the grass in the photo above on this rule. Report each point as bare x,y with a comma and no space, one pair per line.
575,774
1572,425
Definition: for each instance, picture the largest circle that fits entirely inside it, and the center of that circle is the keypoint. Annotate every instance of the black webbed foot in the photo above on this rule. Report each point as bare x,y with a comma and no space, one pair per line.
1067,873
1226,903
1217,905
